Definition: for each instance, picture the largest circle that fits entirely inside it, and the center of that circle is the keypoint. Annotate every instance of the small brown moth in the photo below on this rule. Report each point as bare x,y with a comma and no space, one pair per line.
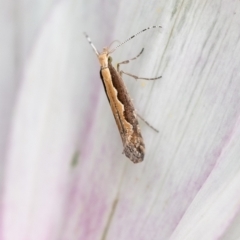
120,101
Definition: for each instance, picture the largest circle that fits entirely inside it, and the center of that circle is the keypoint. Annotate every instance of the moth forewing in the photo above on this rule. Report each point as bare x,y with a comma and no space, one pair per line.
128,126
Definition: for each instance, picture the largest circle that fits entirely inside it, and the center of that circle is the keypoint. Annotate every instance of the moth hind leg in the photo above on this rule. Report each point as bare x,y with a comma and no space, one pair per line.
147,123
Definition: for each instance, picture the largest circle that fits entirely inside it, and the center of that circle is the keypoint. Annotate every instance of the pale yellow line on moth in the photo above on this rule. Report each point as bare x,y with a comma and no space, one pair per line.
111,91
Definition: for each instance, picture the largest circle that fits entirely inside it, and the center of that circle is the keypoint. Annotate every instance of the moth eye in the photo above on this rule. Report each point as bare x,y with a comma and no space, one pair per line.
110,59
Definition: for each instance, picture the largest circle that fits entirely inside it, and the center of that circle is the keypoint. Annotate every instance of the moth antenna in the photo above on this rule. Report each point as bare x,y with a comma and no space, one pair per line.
133,37
113,43
90,42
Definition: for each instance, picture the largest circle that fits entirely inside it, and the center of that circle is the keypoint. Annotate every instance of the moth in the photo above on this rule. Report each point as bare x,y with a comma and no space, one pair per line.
120,101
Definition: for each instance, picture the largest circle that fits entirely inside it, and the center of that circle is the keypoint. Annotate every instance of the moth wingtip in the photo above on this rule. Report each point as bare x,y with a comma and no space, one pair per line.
138,160
135,155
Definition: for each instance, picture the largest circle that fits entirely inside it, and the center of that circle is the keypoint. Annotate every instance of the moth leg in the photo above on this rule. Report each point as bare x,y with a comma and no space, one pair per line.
127,61
131,75
136,77
147,123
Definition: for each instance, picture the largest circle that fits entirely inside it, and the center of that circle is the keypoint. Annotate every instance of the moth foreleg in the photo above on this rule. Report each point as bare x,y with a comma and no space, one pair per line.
127,61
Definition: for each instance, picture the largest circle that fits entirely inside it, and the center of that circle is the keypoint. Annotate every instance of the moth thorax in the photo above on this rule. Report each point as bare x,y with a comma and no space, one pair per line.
103,59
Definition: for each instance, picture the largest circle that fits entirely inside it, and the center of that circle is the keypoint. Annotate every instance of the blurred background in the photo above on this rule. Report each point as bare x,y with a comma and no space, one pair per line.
62,171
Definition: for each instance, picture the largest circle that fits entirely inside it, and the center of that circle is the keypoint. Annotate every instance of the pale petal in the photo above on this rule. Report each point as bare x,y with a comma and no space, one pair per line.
7,75
66,177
